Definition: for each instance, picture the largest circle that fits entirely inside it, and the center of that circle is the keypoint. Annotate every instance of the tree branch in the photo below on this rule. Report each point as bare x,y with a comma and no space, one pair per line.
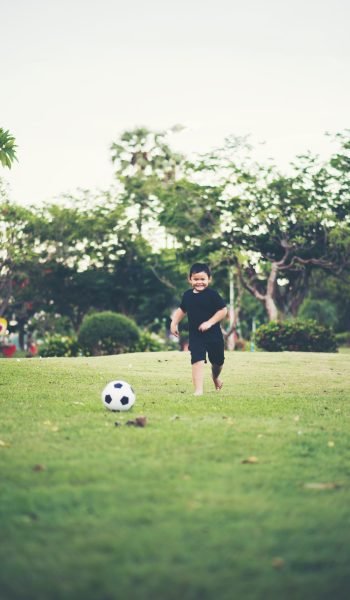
162,279
250,288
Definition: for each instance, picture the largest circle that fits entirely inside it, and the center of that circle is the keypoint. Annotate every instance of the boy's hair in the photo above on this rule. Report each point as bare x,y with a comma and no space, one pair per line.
200,268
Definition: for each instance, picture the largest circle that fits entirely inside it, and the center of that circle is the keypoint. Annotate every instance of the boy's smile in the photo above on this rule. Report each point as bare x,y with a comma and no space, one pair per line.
199,281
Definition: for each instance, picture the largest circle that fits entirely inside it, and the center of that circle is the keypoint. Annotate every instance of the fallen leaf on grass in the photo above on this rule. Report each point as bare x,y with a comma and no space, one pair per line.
138,422
4,444
51,426
278,562
321,486
251,460
193,505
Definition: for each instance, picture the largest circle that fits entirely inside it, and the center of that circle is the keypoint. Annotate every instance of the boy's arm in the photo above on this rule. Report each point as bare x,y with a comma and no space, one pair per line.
177,317
218,316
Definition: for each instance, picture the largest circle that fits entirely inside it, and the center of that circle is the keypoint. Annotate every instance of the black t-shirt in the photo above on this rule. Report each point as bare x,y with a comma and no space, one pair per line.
199,308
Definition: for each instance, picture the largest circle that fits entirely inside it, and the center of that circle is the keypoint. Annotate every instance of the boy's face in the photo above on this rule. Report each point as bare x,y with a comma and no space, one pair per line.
199,281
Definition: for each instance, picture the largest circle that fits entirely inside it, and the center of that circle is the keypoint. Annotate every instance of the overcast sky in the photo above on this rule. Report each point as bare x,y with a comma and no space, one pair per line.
77,73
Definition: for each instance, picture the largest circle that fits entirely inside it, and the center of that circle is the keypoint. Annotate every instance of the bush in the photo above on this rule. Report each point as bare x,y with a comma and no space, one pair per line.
49,324
149,342
58,345
300,336
108,333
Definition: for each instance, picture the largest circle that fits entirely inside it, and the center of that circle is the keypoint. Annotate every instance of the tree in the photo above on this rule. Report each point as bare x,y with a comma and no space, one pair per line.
17,261
81,256
16,245
285,229
275,228
190,212
143,158
7,148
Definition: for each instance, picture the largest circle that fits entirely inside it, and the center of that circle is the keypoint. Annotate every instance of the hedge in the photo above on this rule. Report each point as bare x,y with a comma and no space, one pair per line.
297,335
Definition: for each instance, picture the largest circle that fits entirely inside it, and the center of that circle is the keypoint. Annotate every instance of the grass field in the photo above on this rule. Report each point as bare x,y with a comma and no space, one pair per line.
239,494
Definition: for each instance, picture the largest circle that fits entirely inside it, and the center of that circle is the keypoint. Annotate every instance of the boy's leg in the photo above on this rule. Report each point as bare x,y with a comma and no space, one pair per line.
198,359
216,356
198,377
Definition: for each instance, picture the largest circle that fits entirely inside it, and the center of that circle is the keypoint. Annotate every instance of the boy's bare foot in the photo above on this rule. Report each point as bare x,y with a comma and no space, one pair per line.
215,372
218,384
198,393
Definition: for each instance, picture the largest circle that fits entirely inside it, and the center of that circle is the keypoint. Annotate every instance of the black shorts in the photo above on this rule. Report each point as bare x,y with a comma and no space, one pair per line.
199,349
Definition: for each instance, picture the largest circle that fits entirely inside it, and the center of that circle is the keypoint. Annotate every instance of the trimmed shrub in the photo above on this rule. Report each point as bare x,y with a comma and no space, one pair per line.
298,336
59,345
108,333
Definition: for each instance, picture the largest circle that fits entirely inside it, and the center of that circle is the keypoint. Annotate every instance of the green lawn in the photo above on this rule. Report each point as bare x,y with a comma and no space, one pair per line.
242,494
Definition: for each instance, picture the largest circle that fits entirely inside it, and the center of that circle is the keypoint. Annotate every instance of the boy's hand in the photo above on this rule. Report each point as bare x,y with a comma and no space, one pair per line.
174,330
205,326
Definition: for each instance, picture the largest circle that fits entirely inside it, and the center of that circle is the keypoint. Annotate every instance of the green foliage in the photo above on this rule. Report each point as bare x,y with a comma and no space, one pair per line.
144,161
18,258
74,260
43,324
149,342
322,311
343,338
335,290
191,213
59,345
108,333
7,148
302,336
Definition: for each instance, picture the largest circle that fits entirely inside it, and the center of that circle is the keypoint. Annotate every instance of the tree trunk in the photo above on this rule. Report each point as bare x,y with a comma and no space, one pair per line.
269,298
270,303
271,308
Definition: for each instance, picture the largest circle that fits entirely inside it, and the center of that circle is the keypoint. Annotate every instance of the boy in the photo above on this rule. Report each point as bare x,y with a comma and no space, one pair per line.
205,309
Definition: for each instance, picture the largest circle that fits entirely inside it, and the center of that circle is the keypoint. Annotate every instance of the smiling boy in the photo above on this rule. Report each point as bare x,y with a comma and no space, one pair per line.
205,309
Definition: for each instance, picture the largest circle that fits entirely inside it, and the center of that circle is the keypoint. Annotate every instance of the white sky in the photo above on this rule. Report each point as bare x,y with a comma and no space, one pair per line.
77,73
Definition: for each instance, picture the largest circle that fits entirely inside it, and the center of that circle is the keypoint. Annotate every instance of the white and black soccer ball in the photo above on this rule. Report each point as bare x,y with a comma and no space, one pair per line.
118,396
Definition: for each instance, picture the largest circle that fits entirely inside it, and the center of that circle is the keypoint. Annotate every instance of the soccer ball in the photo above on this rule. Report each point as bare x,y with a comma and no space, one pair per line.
118,396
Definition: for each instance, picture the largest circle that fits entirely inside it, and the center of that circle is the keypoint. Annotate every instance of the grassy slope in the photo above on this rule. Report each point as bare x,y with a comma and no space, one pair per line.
171,511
